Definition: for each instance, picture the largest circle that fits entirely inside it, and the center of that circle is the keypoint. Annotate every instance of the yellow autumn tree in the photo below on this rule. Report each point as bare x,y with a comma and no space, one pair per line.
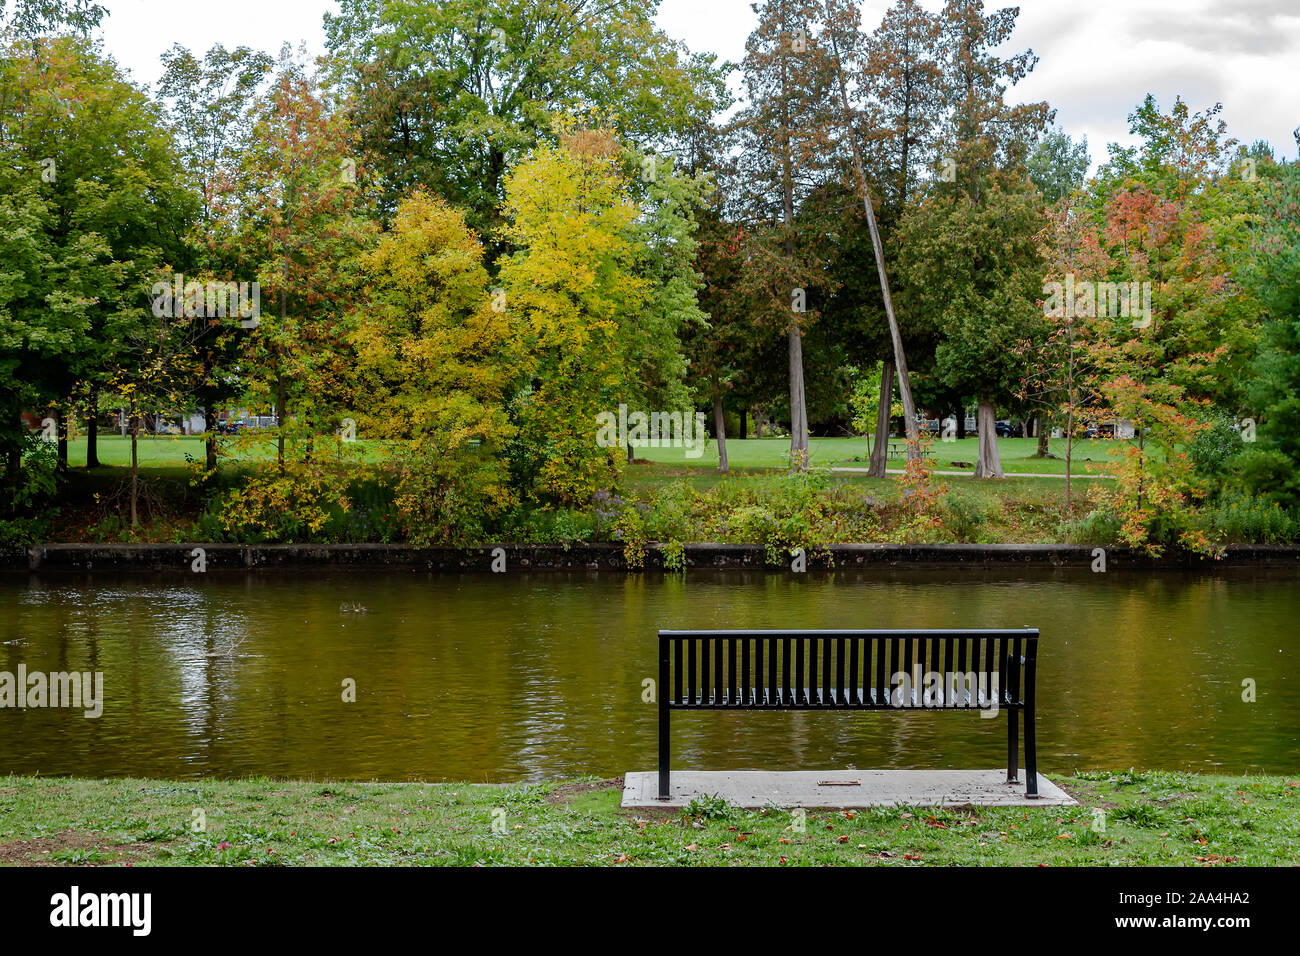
435,353
572,289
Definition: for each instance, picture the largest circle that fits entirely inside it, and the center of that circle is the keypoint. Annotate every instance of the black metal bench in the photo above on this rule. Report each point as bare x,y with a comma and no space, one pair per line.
851,670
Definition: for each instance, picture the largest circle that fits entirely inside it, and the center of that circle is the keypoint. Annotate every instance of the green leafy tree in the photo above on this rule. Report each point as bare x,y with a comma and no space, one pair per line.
210,102
1058,165
449,95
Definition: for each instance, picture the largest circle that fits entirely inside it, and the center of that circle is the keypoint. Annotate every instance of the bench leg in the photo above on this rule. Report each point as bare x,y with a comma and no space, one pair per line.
664,751
1013,745
1031,756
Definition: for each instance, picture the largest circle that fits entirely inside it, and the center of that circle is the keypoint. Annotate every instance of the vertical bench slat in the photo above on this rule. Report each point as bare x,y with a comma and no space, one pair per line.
785,671
990,663
855,688
719,675
1002,671
748,686
705,682
919,689
840,698
733,690
826,699
878,652
949,673
771,671
961,670
910,699
677,671
800,685
692,671
895,656
936,663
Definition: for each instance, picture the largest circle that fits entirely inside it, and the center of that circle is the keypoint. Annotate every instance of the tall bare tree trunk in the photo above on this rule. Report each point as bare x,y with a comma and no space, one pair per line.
135,465
900,360
1069,450
798,410
279,362
720,427
880,453
989,463
210,437
798,413
61,437
92,430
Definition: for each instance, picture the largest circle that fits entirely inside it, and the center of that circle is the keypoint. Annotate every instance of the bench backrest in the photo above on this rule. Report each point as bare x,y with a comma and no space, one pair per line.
853,670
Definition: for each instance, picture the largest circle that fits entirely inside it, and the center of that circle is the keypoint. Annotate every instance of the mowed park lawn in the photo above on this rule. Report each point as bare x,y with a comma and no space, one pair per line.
1027,505
744,455
1124,818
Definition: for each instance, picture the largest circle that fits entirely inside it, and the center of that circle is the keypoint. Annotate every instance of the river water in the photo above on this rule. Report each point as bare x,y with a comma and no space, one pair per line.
523,677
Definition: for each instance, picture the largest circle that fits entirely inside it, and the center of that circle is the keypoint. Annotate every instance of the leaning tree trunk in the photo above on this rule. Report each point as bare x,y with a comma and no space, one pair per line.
989,464
900,360
880,453
720,427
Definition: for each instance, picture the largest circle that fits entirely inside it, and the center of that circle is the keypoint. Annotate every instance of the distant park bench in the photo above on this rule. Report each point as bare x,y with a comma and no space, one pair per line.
852,670
898,449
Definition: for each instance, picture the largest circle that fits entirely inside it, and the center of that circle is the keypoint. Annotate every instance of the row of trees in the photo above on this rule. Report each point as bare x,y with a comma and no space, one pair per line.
475,225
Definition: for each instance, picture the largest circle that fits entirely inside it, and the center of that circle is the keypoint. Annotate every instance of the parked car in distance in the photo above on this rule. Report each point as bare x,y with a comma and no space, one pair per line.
1007,429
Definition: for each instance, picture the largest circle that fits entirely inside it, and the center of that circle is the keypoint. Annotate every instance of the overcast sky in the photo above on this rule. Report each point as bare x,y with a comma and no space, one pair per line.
1097,58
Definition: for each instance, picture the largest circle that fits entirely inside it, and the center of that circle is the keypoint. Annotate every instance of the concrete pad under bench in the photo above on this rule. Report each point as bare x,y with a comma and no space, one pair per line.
844,788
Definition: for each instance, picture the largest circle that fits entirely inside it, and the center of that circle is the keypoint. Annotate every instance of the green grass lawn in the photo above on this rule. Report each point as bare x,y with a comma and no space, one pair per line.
750,453
177,450
1017,454
1146,819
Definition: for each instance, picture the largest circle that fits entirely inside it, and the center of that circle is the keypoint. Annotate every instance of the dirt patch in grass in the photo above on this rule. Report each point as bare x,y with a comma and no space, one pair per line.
1086,794
567,791
68,847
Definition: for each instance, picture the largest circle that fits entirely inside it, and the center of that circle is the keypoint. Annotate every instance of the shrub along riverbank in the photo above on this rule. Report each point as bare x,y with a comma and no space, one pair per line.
1124,819
657,502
